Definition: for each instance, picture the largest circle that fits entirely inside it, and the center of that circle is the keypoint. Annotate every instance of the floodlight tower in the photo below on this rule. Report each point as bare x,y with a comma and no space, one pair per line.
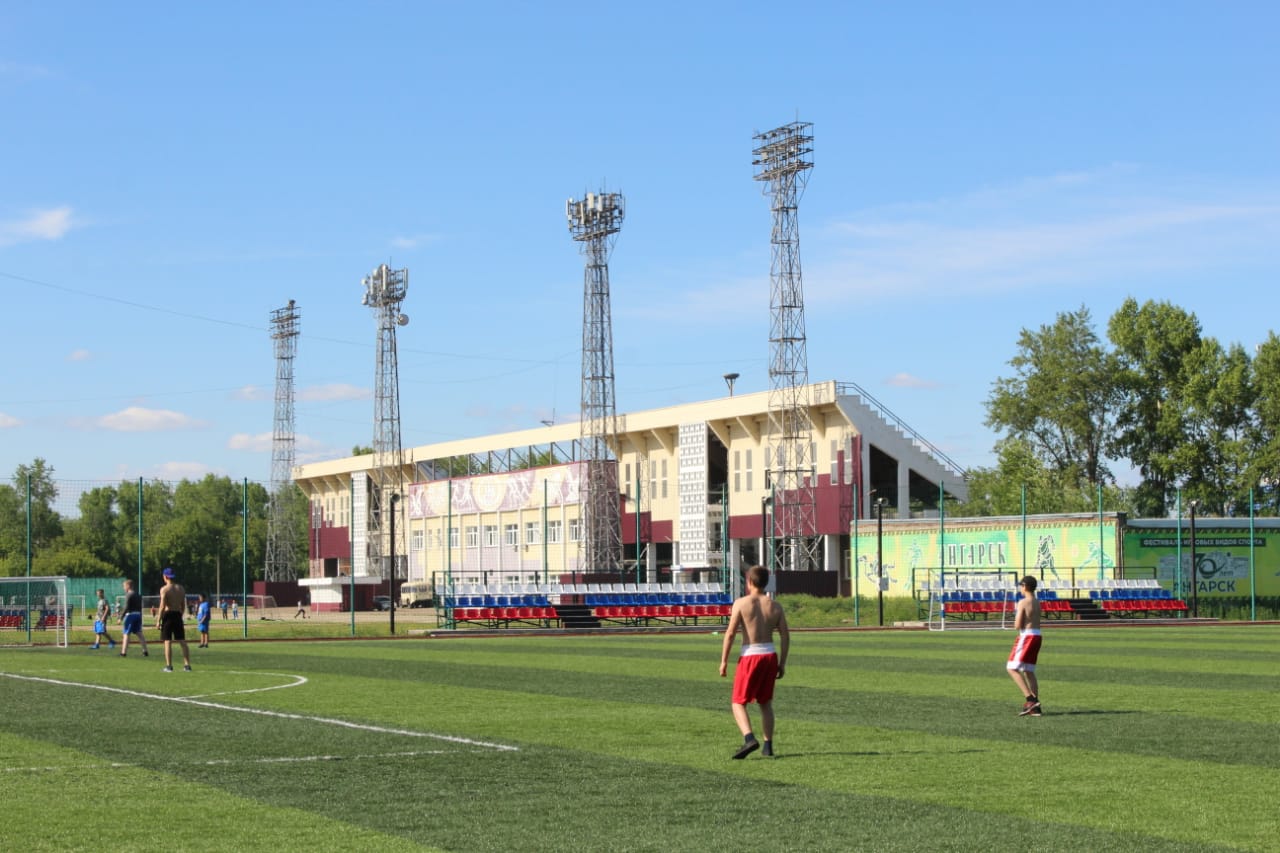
280,562
782,159
385,289
594,221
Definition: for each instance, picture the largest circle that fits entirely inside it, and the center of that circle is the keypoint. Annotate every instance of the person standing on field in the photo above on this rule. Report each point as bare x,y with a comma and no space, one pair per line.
173,607
1026,649
202,621
131,619
757,616
100,618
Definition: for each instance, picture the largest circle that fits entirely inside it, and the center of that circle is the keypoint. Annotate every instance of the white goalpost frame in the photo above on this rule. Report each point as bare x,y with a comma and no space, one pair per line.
35,609
972,585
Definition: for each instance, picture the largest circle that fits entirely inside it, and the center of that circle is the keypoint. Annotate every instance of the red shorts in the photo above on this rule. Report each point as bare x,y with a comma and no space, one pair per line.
753,679
1026,649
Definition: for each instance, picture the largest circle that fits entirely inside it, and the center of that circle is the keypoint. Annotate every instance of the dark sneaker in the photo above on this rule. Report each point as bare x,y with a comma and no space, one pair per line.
1036,710
186,668
747,748
167,669
1027,708
767,749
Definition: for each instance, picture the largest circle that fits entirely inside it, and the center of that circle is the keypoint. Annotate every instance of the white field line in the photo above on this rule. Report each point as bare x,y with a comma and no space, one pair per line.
281,715
298,681
223,762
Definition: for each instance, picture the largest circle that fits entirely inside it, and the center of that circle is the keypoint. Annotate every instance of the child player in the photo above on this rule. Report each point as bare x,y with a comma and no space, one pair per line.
756,615
1022,660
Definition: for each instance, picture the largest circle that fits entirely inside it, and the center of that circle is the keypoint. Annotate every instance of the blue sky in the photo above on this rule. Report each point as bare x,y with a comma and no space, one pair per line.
171,173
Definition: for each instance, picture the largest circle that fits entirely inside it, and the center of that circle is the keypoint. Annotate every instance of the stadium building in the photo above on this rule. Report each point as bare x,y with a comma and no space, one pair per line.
692,482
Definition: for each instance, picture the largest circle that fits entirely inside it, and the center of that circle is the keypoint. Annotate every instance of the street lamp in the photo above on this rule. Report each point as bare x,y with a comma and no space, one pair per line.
880,555
729,379
1195,591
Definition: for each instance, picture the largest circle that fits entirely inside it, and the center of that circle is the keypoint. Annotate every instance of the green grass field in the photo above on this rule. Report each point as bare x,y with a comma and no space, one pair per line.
1152,739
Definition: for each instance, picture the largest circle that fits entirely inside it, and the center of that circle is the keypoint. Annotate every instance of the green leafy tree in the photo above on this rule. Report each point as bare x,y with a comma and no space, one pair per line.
1219,403
46,523
1020,473
13,536
1156,346
1265,462
1062,400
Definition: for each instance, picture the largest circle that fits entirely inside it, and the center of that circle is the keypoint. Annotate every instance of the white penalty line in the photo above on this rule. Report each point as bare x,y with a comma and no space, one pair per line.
224,762
281,715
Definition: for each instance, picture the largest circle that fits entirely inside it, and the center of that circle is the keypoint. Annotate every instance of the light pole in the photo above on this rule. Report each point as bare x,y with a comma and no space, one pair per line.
766,549
1195,592
880,556
729,379
391,576
217,563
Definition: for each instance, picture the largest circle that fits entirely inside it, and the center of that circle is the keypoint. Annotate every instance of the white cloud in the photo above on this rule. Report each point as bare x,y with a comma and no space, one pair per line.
49,224
250,393
79,355
7,421
254,443
906,380
262,442
413,241
337,392
183,471
1080,229
137,419
23,71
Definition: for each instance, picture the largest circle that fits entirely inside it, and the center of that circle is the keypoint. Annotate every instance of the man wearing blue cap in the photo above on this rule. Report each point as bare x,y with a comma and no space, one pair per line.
173,607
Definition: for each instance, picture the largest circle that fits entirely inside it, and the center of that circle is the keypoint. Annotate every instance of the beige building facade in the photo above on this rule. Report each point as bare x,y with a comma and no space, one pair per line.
692,481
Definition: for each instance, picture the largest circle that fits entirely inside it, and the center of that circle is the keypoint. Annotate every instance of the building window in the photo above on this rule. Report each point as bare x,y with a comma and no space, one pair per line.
748,469
511,535
737,470
490,535
473,536
664,478
575,530
453,537
554,532
532,533
418,542
626,478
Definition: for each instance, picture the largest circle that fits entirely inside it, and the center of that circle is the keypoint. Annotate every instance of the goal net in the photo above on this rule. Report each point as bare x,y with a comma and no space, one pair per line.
35,611
970,599
261,606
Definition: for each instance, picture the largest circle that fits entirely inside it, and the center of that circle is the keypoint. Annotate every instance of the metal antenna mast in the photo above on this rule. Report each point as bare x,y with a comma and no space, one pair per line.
385,289
782,159
594,221
280,565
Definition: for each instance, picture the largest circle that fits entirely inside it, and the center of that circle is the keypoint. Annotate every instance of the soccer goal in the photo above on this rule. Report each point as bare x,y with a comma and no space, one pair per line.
261,606
969,600
35,611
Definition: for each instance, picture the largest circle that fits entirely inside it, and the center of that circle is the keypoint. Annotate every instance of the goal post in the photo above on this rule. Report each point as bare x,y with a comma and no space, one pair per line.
35,611
970,599
260,607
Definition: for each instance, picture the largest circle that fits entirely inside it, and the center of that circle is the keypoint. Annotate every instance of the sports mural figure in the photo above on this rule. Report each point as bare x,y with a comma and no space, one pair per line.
1044,557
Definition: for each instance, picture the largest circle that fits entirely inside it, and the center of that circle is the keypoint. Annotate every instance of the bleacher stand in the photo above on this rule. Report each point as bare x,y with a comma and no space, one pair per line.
617,604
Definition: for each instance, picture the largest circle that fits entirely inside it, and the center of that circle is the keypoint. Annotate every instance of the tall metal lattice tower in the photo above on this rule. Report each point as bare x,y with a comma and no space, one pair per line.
385,289
594,221
281,557
782,160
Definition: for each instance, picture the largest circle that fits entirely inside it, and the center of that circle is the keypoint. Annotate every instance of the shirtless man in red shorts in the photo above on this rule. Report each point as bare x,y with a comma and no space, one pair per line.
1026,649
760,664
